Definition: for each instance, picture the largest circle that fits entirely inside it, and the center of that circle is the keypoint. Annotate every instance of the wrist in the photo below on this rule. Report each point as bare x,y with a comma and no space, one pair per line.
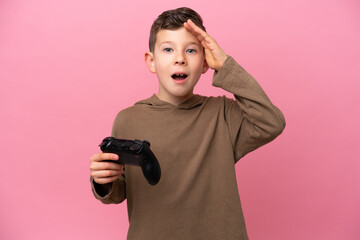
221,62
102,189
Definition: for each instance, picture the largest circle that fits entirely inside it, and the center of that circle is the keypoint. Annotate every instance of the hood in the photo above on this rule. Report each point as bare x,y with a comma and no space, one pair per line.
155,102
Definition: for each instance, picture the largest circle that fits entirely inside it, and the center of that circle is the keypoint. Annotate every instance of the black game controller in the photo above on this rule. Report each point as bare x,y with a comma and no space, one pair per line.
135,153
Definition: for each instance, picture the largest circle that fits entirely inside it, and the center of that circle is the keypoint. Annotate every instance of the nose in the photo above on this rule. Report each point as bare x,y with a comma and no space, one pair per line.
180,59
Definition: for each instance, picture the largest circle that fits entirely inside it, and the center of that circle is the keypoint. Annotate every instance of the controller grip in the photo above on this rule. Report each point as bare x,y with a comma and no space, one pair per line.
150,167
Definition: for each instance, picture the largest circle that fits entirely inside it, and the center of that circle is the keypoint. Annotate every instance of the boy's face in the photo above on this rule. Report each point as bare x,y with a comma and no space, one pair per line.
178,61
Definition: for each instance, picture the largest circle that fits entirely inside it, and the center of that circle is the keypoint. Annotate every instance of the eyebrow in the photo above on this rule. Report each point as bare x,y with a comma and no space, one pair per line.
170,42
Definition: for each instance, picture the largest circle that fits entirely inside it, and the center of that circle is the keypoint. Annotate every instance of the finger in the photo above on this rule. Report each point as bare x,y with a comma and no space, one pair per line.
96,166
190,27
197,34
105,180
193,27
103,156
197,31
202,36
106,174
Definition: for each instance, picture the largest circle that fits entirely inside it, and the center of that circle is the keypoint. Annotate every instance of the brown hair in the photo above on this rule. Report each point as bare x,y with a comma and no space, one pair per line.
172,20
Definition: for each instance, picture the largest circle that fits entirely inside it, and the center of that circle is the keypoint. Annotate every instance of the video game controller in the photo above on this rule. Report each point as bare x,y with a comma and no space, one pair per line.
135,153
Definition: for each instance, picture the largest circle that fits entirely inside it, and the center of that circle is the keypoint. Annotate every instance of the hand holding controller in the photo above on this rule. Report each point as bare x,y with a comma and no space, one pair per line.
135,153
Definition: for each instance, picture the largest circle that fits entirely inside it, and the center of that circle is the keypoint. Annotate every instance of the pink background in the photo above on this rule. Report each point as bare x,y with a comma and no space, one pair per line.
67,67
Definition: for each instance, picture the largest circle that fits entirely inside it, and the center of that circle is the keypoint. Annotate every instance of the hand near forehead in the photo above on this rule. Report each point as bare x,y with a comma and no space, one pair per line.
215,56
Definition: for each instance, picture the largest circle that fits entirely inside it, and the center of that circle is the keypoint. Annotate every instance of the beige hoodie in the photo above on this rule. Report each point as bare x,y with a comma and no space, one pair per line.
197,144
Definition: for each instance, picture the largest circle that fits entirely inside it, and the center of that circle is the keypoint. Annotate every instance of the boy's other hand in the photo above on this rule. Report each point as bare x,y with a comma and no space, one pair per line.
105,172
215,56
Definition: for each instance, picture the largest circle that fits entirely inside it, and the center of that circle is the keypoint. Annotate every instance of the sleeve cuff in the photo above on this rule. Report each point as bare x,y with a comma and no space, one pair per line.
96,194
220,74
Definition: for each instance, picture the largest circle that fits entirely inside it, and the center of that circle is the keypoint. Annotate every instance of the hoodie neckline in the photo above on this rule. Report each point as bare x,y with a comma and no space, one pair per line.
193,101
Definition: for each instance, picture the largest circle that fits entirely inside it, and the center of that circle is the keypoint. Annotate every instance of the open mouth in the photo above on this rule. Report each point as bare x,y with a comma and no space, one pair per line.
179,76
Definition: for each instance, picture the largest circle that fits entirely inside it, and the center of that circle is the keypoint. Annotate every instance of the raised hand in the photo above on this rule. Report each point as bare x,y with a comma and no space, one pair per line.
215,56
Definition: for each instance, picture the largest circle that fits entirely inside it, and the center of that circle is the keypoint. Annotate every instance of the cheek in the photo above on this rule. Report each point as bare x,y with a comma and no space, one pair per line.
160,64
160,69
198,64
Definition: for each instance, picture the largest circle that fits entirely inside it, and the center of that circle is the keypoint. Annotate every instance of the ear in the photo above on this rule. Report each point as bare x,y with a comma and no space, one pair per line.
150,62
205,67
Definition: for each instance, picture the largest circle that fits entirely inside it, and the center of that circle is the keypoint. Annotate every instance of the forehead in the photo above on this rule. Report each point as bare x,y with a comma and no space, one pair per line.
178,36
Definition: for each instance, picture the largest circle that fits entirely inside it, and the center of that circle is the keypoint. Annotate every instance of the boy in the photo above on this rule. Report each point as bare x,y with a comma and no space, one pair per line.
197,140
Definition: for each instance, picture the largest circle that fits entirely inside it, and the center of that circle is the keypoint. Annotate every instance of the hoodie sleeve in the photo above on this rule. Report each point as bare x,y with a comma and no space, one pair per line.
116,192
252,119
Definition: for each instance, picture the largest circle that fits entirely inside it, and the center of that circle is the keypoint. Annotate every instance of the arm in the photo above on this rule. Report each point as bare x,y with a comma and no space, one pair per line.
113,192
107,180
252,119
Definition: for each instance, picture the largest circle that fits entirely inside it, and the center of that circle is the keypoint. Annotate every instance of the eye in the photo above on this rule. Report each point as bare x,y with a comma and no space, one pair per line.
191,51
167,50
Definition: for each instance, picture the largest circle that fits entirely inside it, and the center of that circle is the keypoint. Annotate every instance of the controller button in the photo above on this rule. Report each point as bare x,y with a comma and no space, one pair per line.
137,141
135,147
126,144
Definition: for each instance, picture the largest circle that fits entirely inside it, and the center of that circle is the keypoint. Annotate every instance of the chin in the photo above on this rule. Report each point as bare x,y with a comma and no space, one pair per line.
182,94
